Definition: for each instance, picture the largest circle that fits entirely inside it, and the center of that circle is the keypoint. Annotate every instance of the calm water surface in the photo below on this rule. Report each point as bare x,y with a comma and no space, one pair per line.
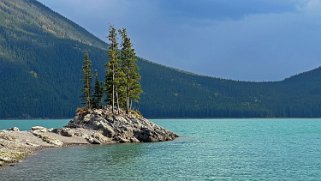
245,149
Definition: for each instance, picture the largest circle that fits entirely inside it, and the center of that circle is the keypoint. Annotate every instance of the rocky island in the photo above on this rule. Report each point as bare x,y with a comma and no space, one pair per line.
92,126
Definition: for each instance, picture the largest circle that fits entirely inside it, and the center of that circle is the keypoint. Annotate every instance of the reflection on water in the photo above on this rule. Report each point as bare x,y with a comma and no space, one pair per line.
120,154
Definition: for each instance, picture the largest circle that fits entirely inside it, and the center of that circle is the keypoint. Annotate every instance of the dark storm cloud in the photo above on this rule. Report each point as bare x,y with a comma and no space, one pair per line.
236,39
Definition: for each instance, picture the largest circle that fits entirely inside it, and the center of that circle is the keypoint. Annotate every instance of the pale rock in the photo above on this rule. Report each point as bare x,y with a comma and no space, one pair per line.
122,140
32,144
66,132
7,159
101,138
120,119
108,130
78,134
52,141
39,128
14,129
98,112
134,140
6,137
93,140
47,139
87,118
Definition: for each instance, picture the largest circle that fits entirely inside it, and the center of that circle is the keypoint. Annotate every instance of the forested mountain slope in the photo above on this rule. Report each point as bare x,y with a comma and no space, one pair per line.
41,56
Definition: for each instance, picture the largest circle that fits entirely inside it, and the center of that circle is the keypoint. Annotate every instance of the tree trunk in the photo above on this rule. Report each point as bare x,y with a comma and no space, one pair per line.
88,102
127,105
131,105
88,93
127,90
117,100
113,93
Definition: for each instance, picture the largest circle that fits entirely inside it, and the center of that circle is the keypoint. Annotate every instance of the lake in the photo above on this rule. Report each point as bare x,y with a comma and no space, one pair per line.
207,149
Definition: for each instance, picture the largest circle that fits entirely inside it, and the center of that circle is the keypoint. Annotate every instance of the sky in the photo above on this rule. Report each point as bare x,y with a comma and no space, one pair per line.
252,40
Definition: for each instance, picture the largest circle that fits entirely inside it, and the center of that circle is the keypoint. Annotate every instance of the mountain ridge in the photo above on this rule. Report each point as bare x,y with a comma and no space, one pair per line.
40,75
48,22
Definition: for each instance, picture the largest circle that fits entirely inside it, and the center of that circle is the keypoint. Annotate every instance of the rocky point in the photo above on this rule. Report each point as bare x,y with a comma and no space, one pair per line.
93,126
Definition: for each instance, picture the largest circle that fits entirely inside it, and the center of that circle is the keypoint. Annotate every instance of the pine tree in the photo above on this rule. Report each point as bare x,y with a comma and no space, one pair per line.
86,81
111,67
98,93
115,77
129,67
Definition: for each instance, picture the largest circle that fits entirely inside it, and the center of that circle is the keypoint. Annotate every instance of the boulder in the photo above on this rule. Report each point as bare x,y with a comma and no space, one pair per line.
78,133
11,156
87,118
31,144
66,132
134,140
47,139
108,130
14,129
52,141
6,137
98,112
39,128
120,119
101,138
7,159
93,140
122,140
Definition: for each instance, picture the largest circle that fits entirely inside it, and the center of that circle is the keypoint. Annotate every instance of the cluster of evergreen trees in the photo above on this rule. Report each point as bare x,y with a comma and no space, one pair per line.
122,80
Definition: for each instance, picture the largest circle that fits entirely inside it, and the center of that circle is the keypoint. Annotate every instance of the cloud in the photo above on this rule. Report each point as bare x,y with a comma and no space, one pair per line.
244,40
311,7
219,9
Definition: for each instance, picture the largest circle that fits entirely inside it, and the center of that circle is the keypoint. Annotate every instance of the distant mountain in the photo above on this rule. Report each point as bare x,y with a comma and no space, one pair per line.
41,55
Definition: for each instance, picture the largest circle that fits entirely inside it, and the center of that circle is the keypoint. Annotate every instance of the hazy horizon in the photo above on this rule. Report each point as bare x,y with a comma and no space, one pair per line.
253,40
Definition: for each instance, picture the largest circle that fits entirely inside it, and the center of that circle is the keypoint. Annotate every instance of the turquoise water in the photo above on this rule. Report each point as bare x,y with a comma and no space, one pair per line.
245,149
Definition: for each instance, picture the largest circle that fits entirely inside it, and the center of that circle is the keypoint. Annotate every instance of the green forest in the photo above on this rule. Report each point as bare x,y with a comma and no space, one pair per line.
41,61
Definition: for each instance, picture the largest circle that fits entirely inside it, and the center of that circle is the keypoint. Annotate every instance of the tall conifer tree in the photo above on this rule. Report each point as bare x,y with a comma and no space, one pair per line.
111,67
86,81
129,67
115,77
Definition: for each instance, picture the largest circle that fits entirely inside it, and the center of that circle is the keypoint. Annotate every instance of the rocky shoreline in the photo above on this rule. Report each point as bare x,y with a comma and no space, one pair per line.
98,126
